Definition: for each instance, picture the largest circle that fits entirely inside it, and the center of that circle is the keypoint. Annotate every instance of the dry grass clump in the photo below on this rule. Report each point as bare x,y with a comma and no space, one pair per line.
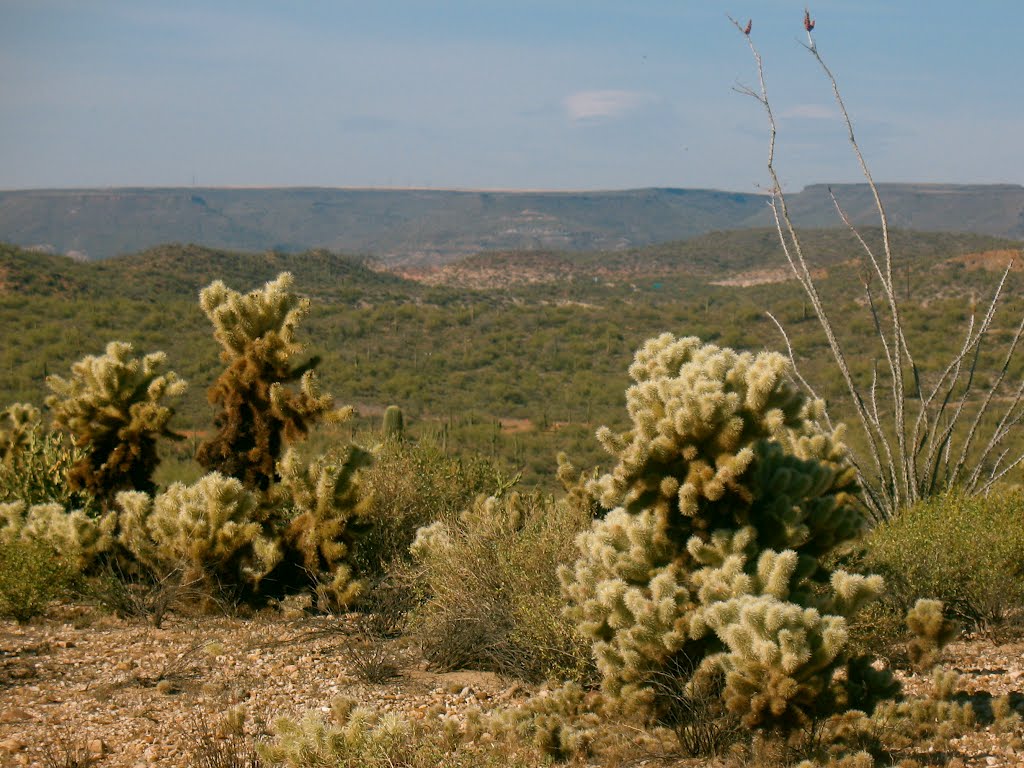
492,596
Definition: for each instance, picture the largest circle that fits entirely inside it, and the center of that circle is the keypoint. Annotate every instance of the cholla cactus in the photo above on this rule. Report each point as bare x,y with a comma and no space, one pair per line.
112,405
79,539
931,631
322,508
212,534
17,422
725,494
258,413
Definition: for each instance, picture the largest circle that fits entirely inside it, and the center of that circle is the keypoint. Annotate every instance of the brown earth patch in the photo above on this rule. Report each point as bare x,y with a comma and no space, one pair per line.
765,276
992,261
514,426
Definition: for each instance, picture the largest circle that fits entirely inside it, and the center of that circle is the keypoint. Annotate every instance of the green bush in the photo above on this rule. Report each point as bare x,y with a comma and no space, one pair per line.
36,464
31,576
411,486
967,551
493,599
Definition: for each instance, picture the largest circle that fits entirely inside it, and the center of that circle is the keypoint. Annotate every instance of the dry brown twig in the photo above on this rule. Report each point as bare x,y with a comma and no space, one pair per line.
911,455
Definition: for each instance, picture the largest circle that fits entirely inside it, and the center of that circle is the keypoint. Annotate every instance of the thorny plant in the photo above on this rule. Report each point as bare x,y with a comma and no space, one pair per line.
912,455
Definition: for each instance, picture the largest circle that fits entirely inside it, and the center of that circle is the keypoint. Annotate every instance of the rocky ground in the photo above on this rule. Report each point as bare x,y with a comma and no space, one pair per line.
122,693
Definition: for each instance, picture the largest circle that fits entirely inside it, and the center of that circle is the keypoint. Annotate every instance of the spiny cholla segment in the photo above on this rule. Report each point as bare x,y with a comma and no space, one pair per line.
322,508
258,412
725,494
113,406
211,533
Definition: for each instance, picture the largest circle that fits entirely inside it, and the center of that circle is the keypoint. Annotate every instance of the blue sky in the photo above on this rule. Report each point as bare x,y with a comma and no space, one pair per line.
523,94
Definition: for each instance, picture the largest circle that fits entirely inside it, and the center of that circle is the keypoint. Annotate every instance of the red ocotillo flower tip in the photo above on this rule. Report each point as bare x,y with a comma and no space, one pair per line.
808,21
750,23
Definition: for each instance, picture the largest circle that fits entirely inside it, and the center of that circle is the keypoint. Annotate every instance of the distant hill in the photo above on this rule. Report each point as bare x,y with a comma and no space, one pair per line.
426,226
173,272
429,227
736,257
988,209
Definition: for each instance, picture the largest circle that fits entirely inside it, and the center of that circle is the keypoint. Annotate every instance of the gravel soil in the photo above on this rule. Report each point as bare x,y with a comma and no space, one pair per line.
127,694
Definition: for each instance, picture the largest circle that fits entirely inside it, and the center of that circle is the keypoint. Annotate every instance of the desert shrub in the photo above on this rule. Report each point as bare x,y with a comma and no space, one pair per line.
16,423
412,485
967,551
113,407
726,497
492,594
36,461
32,575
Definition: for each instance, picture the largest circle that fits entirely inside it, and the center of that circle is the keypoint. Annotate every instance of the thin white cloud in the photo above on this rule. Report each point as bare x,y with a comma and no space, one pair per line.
595,105
812,112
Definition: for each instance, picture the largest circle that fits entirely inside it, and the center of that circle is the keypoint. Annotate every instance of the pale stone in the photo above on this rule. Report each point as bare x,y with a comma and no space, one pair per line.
14,715
10,746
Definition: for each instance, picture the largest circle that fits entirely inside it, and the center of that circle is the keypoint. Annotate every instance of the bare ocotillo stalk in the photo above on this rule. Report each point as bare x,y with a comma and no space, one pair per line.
906,462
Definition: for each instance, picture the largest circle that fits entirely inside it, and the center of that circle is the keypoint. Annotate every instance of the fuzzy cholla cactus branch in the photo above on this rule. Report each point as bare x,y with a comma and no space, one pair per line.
113,406
213,533
725,496
17,421
258,412
324,508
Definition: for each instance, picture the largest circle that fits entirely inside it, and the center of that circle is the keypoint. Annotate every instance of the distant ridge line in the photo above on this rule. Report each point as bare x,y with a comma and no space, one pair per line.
429,225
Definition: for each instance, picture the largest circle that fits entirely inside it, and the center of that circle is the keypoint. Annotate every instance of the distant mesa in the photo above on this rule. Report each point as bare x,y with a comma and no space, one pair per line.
434,227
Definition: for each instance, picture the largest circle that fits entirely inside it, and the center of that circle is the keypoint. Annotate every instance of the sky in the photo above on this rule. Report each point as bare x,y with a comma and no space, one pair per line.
518,94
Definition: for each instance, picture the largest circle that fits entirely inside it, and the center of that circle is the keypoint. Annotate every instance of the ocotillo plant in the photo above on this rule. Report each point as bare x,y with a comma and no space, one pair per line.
921,439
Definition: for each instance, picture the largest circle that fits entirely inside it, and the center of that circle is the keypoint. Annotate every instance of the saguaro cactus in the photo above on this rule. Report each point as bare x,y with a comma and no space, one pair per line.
394,424
112,405
725,495
258,411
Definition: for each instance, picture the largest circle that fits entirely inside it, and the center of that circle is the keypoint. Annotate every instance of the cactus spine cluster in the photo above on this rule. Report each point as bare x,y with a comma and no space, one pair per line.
725,495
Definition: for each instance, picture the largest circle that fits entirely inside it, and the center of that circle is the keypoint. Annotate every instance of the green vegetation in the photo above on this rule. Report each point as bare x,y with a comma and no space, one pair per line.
31,577
704,572
463,363
37,461
967,551
492,599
